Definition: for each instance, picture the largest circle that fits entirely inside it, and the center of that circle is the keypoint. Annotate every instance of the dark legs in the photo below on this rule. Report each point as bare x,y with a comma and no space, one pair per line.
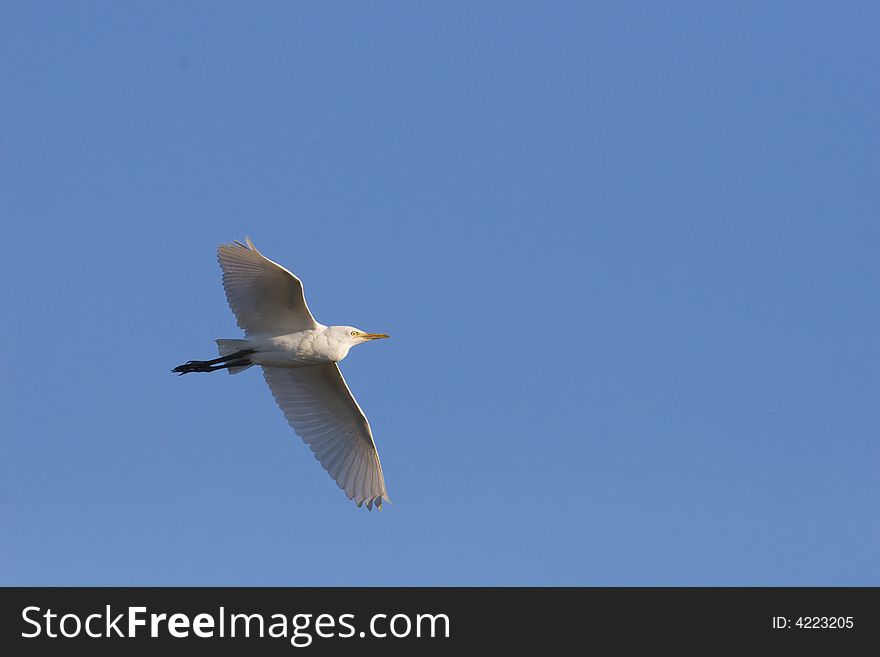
238,359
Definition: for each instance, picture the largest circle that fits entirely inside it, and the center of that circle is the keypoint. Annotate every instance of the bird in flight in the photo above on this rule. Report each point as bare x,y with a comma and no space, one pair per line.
299,358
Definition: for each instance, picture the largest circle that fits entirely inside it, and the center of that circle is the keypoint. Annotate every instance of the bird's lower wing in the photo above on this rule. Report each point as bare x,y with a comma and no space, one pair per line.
319,406
263,295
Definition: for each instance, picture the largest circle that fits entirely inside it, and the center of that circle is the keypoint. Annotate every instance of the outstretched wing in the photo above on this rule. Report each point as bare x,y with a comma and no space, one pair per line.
263,295
319,406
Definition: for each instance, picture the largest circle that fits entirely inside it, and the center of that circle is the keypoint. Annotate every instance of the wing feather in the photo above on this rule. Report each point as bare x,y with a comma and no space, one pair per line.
321,409
263,295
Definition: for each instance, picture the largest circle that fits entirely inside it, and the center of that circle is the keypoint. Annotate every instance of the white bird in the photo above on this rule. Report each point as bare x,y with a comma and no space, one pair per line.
299,358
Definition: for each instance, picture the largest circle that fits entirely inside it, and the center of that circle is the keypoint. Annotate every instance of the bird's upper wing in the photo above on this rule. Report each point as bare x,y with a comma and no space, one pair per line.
321,409
263,295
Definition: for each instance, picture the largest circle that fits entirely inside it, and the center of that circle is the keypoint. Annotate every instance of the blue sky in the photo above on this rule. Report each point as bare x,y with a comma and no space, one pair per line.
627,253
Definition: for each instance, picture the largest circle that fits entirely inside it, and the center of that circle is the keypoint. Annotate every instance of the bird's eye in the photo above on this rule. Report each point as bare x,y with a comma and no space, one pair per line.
354,332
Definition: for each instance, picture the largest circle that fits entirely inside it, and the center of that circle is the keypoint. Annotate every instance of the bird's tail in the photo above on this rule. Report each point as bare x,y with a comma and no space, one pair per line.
226,347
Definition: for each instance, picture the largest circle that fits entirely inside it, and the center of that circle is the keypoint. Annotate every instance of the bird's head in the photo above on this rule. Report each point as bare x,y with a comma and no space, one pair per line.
351,336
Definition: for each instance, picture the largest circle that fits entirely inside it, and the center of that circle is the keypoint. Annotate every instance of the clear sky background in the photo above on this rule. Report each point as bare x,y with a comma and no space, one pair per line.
627,252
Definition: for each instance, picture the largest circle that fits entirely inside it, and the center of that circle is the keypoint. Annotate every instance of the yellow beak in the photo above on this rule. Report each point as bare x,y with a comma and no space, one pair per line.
374,336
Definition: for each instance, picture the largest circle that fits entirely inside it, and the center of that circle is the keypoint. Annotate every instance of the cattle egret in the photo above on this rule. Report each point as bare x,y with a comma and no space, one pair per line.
299,358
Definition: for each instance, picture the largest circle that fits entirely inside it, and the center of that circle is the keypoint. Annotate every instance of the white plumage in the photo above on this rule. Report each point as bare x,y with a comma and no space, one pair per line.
264,296
299,358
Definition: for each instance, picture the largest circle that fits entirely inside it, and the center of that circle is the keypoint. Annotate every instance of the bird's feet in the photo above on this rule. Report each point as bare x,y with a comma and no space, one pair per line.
238,359
192,366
